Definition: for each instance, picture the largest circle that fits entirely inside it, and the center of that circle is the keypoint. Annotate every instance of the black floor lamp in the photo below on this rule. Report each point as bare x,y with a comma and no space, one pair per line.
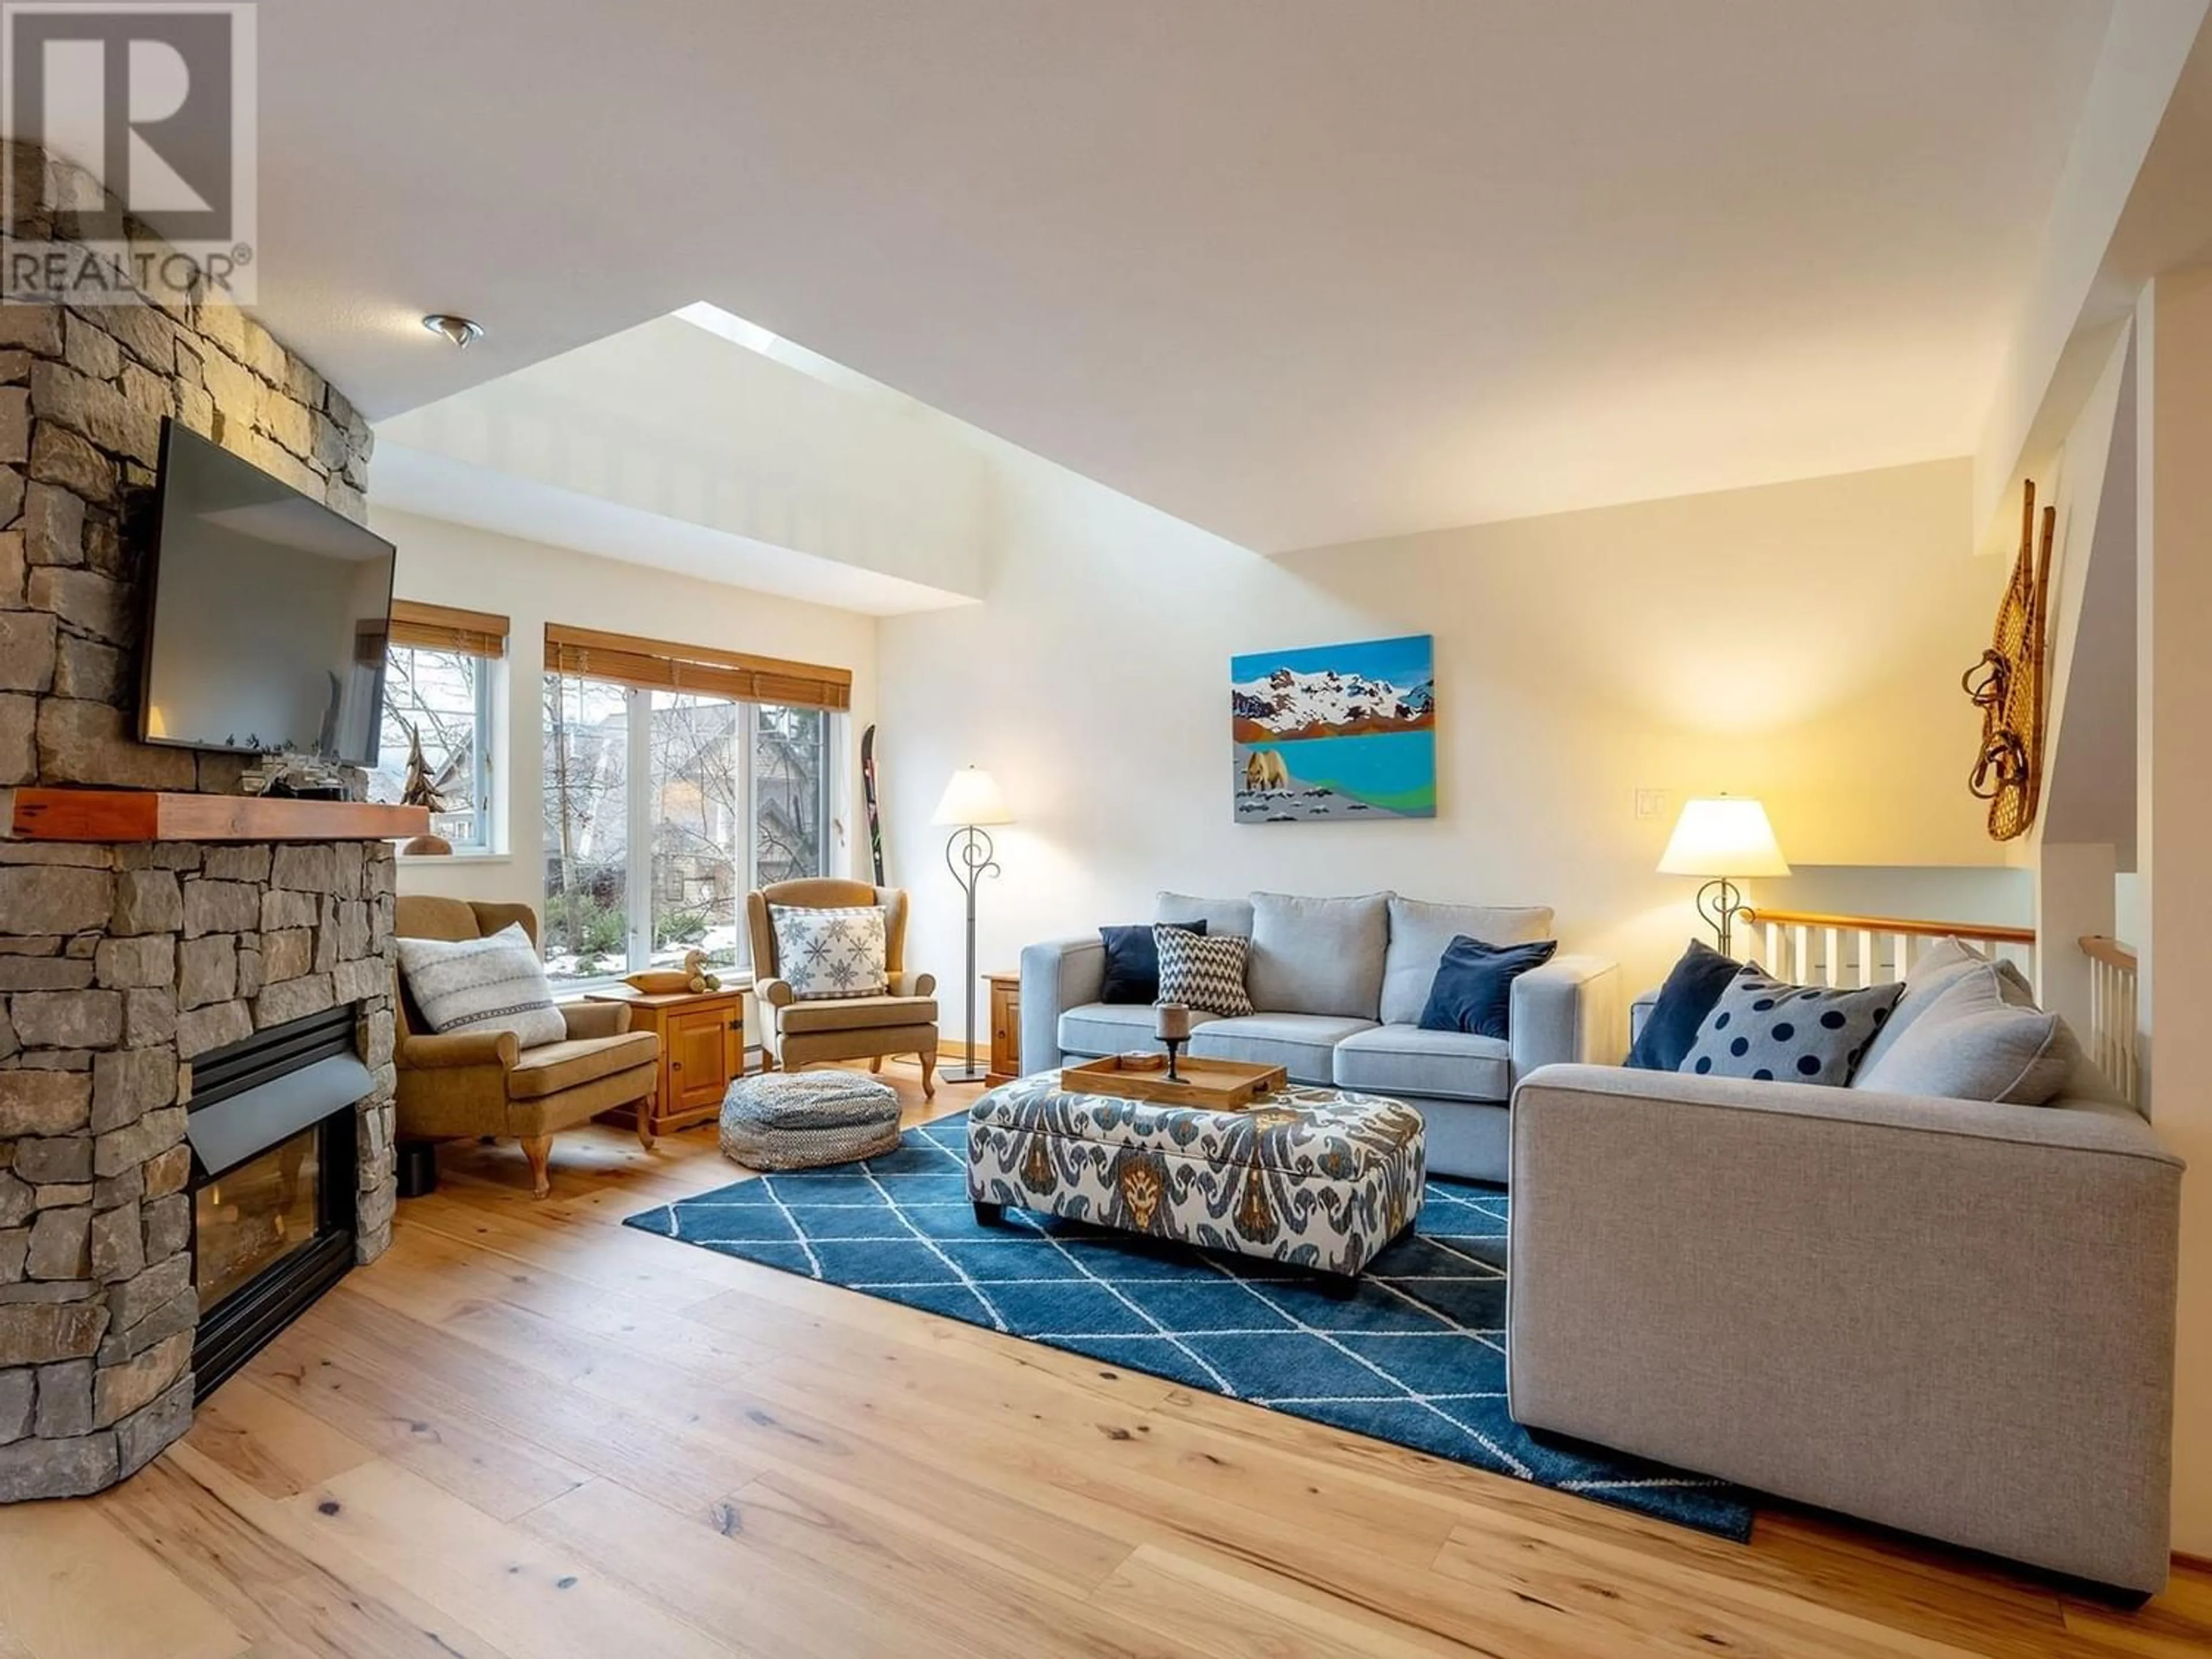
971,800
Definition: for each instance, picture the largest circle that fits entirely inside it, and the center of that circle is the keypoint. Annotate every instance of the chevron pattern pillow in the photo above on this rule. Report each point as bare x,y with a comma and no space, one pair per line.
831,953
491,984
1204,971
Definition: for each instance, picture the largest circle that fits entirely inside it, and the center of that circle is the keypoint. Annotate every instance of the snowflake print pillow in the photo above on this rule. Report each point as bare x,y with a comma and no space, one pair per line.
831,953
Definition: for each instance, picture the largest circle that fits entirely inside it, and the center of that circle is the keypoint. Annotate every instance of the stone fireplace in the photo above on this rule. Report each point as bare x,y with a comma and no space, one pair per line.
124,971
134,964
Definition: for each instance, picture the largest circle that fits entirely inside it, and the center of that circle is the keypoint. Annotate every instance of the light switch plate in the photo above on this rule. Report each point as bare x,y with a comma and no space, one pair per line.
1653,802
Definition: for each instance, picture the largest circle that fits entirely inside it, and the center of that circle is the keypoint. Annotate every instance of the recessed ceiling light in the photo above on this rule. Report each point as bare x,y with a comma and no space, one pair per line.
463,331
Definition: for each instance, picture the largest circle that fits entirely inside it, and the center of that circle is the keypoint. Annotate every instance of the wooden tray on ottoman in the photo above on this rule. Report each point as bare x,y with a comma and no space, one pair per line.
1208,1085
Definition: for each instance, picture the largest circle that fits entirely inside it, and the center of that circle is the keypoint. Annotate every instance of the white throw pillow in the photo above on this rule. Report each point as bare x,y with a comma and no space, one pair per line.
831,953
491,984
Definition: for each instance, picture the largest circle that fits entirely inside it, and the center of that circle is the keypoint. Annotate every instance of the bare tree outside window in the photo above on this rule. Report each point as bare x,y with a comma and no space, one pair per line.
733,793
698,879
444,695
789,798
586,828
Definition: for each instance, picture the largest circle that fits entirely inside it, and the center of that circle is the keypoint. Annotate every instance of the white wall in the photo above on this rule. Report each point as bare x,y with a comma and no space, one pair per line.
2078,287
2173,896
532,585
1801,642
2089,787
670,420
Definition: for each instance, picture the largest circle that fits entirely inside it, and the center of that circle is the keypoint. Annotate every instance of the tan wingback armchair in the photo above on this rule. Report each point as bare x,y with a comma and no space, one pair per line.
902,1021
485,1082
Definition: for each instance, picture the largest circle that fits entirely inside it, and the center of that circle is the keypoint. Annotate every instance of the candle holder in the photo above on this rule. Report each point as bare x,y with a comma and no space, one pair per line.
1172,1044
1171,1026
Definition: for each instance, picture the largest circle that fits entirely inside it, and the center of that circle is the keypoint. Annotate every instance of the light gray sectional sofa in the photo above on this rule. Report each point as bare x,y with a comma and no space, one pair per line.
1339,984
1949,1317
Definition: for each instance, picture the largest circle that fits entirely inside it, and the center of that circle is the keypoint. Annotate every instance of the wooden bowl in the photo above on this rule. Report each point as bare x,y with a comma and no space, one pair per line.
659,981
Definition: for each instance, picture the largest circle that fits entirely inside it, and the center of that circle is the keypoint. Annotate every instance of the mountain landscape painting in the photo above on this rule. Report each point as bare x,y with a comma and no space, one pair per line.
1335,732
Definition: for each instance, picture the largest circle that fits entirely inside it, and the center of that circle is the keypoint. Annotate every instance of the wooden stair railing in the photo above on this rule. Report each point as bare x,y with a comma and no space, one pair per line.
2114,1041
1813,947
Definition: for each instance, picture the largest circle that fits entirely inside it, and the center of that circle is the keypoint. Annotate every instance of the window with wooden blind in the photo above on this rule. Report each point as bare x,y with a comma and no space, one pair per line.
677,778
447,628
439,665
659,666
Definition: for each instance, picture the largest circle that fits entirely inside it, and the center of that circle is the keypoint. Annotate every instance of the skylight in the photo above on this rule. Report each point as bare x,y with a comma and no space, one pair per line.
770,344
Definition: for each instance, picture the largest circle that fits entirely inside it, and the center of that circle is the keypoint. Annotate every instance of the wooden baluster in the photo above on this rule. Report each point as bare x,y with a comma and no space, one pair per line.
2121,1037
2116,1063
1801,944
2123,1032
2100,1017
2120,1031
1830,969
1774,947
1866,957
1901,945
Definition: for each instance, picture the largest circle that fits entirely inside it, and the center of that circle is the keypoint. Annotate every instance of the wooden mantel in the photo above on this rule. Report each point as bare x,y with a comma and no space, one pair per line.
148,815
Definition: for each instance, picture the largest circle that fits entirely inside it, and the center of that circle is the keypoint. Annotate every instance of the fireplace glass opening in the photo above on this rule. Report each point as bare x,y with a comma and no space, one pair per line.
273,1134
252,1216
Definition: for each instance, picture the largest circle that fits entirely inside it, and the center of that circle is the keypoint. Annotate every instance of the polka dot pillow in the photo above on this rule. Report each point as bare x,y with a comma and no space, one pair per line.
1770,1032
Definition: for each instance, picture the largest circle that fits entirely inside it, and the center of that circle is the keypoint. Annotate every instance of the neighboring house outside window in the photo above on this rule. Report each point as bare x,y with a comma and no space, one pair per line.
723,792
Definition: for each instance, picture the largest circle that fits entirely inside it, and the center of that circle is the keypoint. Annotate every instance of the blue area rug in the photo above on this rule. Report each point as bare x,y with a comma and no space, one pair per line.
1417,1358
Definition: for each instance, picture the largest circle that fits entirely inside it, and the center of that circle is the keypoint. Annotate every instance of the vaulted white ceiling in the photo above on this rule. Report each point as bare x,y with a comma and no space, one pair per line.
1296,271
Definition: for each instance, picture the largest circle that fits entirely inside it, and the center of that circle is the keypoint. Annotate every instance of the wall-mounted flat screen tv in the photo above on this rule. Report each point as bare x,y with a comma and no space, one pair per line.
269,614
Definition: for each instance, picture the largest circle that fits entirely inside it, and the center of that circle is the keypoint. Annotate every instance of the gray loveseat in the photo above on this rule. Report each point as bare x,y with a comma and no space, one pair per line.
1339,984
1948,1317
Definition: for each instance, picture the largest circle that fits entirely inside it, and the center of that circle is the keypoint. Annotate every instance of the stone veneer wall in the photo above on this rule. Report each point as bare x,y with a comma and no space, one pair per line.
118,965
82,397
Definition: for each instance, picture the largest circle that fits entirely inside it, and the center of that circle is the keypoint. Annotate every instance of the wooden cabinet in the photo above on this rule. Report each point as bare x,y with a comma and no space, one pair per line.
1006,1028
702,1047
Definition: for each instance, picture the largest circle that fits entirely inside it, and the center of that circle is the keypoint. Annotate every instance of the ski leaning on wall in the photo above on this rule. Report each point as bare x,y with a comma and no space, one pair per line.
868,794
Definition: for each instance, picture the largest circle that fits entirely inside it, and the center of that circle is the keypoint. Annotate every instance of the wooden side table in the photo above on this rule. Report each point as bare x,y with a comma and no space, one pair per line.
1006,1029
702,1047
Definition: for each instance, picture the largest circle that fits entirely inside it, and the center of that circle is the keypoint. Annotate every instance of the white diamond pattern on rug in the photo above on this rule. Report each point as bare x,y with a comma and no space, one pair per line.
1417,1357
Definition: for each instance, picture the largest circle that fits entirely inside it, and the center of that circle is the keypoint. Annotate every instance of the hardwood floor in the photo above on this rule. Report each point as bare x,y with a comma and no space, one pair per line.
529,1432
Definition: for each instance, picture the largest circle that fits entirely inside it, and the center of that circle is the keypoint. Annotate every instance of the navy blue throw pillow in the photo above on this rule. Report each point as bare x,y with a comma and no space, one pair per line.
1671,1029
1473,987
1133,963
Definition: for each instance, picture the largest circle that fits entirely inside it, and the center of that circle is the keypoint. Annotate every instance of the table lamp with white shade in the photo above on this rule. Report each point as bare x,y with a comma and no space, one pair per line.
971,800
1725,837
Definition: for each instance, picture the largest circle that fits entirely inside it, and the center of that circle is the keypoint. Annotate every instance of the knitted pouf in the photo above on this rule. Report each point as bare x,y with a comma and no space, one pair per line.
804,1120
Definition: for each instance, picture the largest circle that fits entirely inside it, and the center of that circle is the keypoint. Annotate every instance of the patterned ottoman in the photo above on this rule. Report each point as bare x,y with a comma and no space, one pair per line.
804,1120
1314,1177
